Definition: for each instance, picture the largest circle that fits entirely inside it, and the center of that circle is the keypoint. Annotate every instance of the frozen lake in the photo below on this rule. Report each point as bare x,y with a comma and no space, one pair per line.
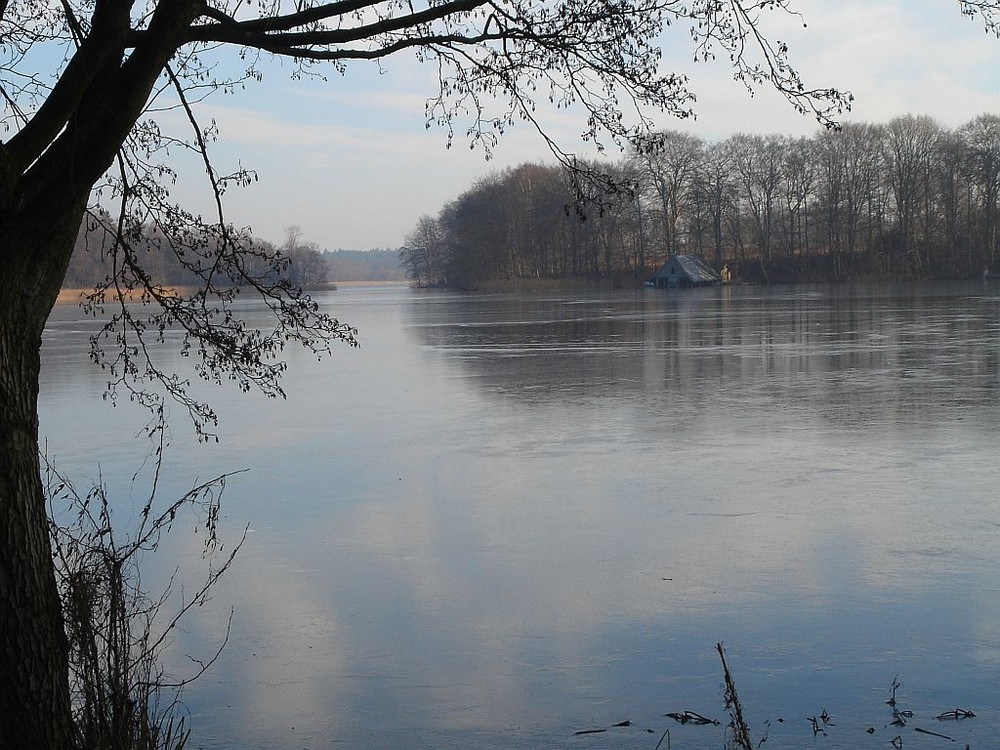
508,518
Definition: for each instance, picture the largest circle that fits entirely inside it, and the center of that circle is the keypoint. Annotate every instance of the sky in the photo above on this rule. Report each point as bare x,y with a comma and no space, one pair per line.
350,161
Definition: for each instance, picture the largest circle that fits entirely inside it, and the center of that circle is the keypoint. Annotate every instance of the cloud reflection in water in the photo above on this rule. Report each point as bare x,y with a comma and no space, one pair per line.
505,519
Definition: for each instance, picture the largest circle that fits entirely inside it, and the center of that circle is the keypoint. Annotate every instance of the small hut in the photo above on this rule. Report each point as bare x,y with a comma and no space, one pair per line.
685,270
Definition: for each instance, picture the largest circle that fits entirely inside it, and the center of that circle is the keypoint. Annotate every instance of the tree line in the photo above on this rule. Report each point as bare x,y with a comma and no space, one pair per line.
906,199
167,262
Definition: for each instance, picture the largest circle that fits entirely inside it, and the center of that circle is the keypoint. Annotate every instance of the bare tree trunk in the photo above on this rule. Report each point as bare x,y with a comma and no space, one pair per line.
34,688
34,692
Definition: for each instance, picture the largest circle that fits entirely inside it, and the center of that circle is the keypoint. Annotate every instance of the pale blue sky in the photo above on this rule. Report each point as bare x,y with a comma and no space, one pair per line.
350,161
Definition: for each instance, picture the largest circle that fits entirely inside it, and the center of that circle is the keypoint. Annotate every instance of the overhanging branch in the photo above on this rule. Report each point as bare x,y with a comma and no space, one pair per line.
252,34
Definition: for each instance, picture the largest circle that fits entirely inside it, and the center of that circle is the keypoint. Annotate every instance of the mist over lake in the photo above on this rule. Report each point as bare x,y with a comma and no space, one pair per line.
508,518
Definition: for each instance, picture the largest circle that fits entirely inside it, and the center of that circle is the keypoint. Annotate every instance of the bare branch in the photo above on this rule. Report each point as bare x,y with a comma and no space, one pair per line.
265,39
988,10
62,103
307,17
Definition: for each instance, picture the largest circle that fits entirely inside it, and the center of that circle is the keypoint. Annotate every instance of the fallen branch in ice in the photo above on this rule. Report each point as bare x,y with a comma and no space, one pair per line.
741,733
691,717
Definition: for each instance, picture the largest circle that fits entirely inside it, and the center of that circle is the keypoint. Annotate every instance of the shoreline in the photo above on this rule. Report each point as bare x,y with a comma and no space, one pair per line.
68,295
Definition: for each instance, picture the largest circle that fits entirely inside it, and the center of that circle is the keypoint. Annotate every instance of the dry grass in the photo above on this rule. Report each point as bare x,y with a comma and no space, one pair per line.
737,726
73,295
122,698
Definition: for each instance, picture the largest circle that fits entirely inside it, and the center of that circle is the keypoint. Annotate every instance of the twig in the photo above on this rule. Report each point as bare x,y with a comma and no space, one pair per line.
691,717
933,734
958,713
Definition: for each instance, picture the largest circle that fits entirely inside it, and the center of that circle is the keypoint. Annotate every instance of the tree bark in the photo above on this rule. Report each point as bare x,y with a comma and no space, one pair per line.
35,711
43,192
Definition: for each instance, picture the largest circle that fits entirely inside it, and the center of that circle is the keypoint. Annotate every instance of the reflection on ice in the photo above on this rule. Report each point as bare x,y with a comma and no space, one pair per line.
506,519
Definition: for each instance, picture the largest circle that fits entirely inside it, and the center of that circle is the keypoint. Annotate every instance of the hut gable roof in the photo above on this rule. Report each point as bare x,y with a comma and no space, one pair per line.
693,268
697,270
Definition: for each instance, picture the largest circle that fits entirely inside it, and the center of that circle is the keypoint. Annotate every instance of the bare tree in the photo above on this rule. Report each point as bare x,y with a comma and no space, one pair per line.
851,167
667,173
909,147
714,196
799,185
425,253
955,197
758,162
981,140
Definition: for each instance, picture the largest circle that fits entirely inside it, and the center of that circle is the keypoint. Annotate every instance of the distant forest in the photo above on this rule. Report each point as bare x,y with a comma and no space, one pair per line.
908,199
364,265
306,266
